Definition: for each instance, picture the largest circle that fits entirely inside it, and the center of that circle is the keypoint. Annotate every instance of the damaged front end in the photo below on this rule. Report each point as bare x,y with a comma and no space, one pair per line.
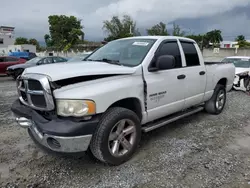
242,81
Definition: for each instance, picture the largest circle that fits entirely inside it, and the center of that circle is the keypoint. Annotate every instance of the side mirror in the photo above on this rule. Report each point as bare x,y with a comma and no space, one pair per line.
165,62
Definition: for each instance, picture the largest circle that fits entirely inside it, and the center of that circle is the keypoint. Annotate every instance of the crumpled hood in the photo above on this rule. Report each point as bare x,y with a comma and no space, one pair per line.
241,70
66,70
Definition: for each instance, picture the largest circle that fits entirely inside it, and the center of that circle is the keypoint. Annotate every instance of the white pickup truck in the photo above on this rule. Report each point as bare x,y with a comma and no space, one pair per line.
124,88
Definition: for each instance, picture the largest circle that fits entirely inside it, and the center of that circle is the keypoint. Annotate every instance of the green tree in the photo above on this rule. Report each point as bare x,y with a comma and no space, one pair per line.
34,42
48,40
201,40
240,38
21,40
64,31
158,29
214,37
177,31
198,38
242,41
120,28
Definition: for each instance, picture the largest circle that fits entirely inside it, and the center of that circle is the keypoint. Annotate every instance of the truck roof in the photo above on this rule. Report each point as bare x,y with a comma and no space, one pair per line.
157,37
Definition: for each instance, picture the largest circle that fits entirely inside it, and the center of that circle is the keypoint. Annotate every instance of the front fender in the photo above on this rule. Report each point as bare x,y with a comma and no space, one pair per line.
105,91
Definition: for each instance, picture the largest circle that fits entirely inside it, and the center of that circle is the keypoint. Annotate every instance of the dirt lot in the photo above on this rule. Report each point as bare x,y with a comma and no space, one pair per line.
199,151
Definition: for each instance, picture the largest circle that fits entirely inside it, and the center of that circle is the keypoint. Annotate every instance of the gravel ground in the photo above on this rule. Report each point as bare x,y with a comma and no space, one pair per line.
199,151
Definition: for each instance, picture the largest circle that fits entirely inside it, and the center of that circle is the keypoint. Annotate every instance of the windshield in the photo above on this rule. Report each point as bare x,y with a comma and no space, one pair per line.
34,60
238,62
128,52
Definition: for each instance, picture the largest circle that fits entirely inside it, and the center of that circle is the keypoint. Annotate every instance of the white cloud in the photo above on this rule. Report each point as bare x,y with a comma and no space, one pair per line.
30,16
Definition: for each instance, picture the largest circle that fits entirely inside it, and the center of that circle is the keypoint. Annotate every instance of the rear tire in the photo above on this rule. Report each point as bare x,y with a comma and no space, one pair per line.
117,136
216,104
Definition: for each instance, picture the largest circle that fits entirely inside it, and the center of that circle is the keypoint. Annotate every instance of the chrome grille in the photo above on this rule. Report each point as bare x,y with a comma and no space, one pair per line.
34,91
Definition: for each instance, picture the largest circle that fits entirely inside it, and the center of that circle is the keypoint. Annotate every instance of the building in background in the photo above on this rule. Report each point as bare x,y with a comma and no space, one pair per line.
7,36
7,42
21,48
228,44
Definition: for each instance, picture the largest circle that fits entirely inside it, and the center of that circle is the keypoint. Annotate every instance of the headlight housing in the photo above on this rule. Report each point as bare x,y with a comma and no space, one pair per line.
75,108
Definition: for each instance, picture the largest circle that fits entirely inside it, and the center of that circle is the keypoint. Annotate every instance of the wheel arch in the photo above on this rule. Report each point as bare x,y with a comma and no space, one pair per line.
131,103
222,81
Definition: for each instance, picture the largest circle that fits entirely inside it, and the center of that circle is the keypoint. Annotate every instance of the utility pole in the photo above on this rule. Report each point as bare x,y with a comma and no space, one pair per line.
202,40
130,30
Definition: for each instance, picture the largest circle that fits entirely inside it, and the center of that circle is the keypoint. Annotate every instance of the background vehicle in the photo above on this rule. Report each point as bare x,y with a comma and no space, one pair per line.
6,61
79,57
23,55
130,85
242,72
16,70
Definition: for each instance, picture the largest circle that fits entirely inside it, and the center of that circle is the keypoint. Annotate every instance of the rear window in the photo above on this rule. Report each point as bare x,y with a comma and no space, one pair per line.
191,55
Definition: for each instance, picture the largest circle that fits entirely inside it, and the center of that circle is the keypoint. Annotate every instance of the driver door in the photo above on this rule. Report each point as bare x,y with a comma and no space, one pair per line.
165,88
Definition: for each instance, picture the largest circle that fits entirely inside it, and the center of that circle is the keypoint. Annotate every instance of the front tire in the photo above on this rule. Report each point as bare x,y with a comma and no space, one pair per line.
117,136
216,104
17,73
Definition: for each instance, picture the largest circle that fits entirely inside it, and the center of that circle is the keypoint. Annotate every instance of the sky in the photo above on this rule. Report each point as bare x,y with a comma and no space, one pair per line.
30,17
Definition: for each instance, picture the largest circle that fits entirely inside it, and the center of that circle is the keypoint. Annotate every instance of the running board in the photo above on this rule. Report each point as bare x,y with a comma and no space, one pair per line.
172,118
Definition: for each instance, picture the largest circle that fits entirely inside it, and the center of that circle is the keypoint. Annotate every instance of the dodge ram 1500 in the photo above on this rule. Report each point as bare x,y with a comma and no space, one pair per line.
126,87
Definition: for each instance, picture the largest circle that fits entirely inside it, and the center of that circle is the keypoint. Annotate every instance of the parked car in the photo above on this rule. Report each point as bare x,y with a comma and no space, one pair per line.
79,57
242,71
6,61
126,87
17,70
23,55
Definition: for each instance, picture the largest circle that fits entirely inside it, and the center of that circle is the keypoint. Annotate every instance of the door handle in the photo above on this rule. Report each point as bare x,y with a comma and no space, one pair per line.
182,76
202,73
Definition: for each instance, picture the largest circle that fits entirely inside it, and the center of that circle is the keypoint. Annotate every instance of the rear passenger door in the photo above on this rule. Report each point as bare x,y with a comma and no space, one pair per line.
3,65
6,62
11,60
195,80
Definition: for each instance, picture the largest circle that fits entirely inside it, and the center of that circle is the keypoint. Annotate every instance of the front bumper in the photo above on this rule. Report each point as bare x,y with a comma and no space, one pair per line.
9,72
65,136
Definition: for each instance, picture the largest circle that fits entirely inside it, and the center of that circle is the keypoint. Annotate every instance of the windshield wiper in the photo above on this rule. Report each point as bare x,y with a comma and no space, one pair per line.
115,62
